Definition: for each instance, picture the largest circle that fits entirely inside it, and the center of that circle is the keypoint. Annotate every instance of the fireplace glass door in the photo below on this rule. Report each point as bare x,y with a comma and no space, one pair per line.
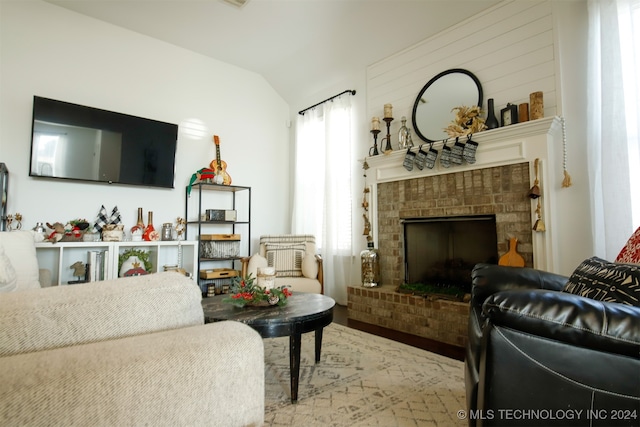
443,251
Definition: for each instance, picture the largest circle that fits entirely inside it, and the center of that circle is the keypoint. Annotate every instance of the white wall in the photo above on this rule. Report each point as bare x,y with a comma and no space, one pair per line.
49,51
514,48
510,48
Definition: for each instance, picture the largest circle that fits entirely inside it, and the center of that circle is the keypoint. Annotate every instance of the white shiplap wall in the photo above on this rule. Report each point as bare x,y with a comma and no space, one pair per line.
509,47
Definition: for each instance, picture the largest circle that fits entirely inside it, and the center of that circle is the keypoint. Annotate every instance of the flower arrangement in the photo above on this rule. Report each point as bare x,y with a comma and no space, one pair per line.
244,291
467,121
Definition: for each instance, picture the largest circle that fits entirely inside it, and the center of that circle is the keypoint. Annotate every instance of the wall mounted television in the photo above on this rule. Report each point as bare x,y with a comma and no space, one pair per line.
76,142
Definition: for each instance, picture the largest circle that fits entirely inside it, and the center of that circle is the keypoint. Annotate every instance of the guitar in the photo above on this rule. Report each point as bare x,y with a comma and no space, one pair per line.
220,166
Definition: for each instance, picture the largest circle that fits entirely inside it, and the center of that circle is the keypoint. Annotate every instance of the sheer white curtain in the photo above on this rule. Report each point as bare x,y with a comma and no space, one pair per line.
613,122
322,201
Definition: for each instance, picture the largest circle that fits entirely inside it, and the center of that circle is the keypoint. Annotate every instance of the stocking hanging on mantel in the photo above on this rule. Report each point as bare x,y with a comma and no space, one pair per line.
409,160
469,151
445,155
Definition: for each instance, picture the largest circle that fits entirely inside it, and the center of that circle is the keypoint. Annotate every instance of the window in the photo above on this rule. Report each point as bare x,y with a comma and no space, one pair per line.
613,121
322,201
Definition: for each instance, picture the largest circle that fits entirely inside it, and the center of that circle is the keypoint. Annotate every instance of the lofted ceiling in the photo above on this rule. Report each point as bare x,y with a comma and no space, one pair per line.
301,47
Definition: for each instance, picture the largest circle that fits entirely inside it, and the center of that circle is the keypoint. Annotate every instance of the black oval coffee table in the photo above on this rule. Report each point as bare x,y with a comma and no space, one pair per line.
303,313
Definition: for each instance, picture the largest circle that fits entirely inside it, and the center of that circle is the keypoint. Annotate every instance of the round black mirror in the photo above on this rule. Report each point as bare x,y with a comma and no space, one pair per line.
432,109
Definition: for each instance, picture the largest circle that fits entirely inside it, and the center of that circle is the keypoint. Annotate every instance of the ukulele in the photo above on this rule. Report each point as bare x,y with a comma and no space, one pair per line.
220,166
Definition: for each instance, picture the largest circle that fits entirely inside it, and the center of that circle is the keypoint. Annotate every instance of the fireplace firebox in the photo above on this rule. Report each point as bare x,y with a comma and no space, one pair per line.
442,251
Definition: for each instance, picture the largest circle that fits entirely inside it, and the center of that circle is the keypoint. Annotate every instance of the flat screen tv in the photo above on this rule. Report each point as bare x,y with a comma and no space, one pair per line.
76,142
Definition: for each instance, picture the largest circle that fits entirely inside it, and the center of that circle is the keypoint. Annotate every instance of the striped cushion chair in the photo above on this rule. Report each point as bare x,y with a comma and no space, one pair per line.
295,259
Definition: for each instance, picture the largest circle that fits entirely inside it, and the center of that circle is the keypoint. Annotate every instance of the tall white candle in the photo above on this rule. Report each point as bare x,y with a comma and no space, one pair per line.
388,111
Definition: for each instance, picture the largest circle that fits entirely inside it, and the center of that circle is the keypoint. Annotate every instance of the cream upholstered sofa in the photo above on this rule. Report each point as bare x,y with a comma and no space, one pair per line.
131,351
294,257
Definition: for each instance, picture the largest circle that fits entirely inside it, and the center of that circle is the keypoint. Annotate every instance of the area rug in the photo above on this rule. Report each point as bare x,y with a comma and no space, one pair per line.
362,380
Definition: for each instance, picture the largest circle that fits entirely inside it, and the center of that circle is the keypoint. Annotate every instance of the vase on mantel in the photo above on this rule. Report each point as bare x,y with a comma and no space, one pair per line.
492,120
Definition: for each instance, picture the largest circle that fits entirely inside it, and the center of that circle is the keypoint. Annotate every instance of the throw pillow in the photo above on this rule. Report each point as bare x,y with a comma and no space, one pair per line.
606,281
256,261
309,266
286,258
630,254
8,278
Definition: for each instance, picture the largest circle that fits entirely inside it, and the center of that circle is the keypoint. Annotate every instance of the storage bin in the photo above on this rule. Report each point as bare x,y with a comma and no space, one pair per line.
221,215
219,246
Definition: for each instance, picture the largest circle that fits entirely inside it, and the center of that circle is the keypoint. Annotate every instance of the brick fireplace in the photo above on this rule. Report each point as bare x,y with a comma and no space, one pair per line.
500,191
497,184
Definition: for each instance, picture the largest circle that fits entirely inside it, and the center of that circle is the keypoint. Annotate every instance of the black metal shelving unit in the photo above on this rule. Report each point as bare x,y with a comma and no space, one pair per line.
242,226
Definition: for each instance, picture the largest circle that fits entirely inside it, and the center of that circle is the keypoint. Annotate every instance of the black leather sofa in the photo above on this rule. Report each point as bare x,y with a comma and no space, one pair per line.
537,356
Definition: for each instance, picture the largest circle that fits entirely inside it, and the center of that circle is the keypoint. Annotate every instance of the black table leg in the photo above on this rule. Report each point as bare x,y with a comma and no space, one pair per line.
318,343
294,363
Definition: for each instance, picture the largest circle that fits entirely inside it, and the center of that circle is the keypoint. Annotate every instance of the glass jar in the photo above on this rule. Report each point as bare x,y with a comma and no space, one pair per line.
167,231
370,267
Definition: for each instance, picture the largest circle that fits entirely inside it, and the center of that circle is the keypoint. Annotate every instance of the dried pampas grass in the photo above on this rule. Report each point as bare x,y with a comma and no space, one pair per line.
466,122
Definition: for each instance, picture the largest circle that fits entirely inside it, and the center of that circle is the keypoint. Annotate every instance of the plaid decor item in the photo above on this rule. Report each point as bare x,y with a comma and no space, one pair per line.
101,220
115,216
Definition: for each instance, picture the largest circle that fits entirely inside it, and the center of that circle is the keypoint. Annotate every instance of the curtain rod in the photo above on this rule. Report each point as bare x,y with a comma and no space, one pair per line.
301,112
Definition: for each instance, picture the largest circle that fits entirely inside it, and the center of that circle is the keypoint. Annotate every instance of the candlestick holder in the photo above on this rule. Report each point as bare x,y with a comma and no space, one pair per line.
388,148
375,133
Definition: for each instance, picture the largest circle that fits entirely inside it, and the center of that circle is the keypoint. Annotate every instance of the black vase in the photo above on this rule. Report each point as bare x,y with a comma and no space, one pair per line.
492,121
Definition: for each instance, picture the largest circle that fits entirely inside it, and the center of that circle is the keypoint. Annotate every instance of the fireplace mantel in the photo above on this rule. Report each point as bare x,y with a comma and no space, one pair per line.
524,142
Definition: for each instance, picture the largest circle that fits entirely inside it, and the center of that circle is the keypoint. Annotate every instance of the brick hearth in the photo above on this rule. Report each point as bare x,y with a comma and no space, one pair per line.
439,320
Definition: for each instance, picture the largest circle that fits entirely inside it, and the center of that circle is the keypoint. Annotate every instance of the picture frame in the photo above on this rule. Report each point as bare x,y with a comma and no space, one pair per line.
140,254
509,115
